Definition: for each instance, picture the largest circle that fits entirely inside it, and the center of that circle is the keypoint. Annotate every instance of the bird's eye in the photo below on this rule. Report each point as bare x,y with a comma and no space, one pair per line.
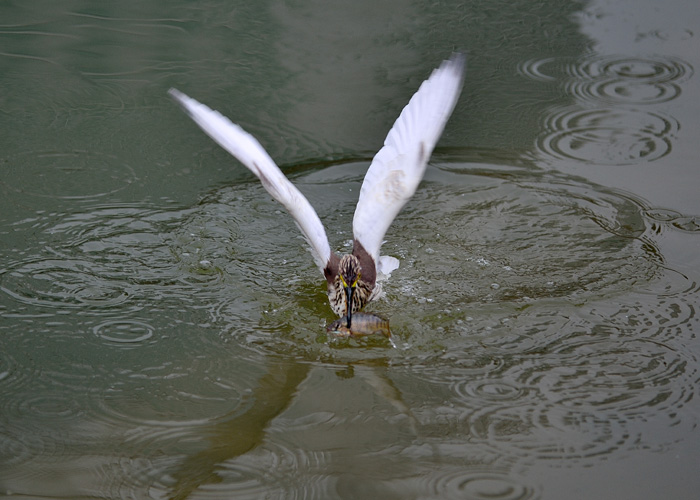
342,280
356,280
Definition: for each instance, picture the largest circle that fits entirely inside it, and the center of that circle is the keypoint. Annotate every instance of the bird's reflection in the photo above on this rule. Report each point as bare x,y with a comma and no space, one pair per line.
235,435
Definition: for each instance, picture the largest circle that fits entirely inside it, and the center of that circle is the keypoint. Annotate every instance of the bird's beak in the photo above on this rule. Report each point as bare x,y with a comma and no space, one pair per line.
349,291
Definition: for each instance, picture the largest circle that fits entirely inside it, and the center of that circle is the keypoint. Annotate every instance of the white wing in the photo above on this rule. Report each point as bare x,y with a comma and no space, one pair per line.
250,153
398,167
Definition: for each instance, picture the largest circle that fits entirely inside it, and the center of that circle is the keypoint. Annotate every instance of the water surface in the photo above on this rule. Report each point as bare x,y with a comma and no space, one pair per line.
163,326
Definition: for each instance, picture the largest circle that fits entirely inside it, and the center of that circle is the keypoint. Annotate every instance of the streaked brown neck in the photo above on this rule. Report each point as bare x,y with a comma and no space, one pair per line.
367,264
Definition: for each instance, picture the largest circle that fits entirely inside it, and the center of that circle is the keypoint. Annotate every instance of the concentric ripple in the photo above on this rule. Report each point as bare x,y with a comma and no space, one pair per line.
490,247
124,333
167,398
131,477
622,80
478,243
14,376
608,136
189,402
618,91
529,309
544,70
490,391
630,378
677,220
590,397
69,175
290,473
652,70
50,406
100,260
603,128
15,450
662,313
613,79
482,485
61,283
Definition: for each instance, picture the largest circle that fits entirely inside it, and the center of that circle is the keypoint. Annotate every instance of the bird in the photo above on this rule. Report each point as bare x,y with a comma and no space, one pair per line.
391,180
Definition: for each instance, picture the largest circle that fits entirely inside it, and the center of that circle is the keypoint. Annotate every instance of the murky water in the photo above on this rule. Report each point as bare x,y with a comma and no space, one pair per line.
163,326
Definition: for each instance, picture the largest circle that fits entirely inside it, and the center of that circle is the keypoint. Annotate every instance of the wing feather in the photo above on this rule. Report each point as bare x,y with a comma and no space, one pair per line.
397,169
250,153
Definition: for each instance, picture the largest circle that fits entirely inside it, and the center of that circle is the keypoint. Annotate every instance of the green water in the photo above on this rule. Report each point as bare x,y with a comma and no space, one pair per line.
163,325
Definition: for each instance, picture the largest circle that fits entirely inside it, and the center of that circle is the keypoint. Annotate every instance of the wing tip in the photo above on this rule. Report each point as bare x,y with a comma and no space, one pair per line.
183,100
177,95
458,59
456,64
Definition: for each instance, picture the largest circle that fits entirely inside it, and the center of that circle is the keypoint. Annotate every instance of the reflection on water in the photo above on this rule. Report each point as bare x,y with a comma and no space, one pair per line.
522,313
163,326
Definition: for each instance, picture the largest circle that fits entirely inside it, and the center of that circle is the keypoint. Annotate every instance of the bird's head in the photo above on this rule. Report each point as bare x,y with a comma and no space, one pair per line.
349,274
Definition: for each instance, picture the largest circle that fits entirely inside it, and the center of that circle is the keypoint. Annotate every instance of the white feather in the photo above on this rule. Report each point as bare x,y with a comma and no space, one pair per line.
391,179
250,153
398,167
385,266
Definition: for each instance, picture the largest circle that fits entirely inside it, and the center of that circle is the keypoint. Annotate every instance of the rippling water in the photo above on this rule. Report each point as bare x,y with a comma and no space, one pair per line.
163,326
529,325
609,123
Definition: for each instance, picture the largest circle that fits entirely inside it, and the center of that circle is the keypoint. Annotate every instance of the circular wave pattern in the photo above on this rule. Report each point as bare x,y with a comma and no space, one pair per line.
467,368
558,363
96,262
68,175
14,450
15,377
603,128
174,394
24,445
50,406
262,471
595,245
170,398
486,485
532,336
543,70
629,80
652,70
613,79
608,136
677,220
132,477
61,283
615,91
489,391
124,333
588,396
612,370
488,254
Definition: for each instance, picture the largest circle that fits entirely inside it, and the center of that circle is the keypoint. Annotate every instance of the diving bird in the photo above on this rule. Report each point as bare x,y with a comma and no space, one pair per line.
391,180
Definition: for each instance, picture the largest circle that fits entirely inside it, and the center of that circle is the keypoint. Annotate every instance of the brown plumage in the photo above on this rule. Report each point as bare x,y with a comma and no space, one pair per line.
392,178
353,275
